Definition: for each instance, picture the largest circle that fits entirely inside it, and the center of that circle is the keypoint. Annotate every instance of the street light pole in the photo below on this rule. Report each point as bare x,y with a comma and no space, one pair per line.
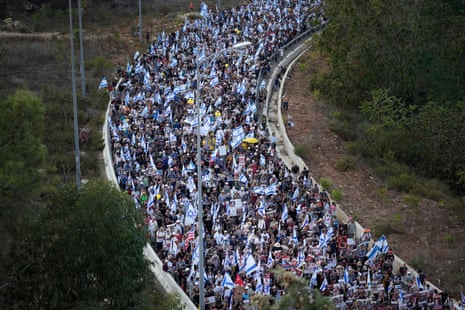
199,169
140,22
81,52
75,113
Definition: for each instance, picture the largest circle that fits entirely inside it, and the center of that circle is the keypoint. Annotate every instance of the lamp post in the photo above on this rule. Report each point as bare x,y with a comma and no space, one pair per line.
75,111
199,167
140,22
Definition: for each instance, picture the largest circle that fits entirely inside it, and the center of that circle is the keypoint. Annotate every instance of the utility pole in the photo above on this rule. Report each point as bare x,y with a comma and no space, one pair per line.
81,52
140,22
75,114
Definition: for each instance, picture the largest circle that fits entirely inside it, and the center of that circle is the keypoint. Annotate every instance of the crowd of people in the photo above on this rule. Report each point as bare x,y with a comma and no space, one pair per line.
259,214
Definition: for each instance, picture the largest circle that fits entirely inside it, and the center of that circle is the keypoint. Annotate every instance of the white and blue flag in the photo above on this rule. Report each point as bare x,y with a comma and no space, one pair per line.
103,83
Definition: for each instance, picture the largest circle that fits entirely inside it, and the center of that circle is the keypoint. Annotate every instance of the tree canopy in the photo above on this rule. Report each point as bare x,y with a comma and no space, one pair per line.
298,296
85,250
401,64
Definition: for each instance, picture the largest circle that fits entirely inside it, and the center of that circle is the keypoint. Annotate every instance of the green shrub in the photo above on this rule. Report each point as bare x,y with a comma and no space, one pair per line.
337,194
303,65
343,130
346,163
326,183
301,151
401,182
99,63
412,201
432,189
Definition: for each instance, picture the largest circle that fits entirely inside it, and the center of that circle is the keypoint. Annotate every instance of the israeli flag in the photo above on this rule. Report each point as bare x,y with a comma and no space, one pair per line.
296,194
419,284
262,160
313,280
371,255
285,214
227,281
294,236
258,190
191,215
203,9
138,97
269,262
215,81
191,166
136,55
250,265
195,254
243,179
323,241
401,297
189,95
170,97
270,190
382,244
219,101
306,222
346,276
103,83
259,285
173,63
261,208
324,285
227,261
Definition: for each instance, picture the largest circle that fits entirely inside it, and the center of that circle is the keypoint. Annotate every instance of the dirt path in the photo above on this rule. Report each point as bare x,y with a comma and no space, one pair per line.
427,237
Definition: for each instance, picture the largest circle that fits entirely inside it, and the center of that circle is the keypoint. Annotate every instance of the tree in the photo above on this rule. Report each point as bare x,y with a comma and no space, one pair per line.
298,295
22,153
84,251
412,48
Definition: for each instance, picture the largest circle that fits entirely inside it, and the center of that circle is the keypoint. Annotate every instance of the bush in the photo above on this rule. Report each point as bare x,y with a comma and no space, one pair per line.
431,189
326,183
301,151
412,201
337,194
401,182
347,163
99,63
343,130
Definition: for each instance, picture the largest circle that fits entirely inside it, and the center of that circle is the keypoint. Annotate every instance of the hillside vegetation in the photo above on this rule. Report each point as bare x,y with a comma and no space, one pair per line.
398,76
